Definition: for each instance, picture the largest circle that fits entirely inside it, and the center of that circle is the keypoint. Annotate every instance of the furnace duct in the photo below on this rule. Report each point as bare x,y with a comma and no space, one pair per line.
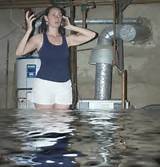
102,54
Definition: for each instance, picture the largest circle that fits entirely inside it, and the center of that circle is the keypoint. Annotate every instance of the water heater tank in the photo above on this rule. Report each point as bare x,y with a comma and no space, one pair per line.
26,70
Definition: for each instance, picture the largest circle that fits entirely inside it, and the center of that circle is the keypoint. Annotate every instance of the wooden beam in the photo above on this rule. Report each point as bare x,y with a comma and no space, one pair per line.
145,1
8,4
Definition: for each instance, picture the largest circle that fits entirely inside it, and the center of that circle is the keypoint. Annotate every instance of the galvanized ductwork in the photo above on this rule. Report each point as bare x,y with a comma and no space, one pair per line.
102,54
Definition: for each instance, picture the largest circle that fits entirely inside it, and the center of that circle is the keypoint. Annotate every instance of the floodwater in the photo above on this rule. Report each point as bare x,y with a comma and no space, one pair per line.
80,138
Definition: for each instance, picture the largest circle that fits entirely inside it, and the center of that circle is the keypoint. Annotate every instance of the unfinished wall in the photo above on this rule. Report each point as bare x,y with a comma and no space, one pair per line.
141,60
10,29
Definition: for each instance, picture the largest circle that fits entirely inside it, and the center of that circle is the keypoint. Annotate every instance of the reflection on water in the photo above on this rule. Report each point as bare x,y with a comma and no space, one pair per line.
80,138
37,138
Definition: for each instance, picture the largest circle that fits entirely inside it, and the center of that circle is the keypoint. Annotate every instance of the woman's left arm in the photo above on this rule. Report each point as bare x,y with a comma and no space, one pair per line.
82,35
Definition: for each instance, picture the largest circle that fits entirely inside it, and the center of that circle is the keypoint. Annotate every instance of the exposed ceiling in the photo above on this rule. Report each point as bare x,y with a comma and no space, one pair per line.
8,4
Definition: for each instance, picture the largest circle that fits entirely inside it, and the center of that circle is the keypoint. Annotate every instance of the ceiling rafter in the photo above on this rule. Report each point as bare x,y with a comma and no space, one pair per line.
8,4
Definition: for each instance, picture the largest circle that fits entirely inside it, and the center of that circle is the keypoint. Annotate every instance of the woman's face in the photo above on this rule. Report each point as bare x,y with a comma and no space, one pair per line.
54,17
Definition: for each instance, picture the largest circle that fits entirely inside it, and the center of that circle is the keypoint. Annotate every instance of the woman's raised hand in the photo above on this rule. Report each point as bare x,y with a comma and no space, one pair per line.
66,21
29,20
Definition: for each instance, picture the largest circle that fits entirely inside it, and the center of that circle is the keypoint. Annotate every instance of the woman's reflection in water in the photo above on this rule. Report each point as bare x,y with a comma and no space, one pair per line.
48,137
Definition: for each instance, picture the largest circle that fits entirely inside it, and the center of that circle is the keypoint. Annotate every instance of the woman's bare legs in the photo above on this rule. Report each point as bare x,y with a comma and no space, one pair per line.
43,107
52,107
61,107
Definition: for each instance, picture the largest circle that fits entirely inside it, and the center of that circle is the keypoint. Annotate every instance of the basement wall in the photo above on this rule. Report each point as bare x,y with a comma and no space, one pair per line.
141,60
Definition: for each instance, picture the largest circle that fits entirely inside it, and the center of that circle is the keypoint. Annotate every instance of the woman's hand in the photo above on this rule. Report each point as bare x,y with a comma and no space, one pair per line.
29,20
66,23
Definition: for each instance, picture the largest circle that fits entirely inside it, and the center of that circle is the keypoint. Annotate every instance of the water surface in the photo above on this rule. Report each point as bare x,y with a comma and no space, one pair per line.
80,138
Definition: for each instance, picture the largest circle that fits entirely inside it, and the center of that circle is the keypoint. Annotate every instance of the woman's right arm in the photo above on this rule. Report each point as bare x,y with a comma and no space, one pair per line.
27,45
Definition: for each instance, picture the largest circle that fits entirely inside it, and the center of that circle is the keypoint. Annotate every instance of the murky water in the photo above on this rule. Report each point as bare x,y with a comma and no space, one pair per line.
80,138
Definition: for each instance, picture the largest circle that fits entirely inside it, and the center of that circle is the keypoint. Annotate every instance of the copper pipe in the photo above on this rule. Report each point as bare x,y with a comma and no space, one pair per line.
73,65
124,88
84,15
114,29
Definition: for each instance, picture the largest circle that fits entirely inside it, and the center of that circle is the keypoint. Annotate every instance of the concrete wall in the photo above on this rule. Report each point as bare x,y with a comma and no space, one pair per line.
141,60
11,22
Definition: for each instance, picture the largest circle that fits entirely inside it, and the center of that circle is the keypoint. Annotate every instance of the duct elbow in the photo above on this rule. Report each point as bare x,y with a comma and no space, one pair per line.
101,55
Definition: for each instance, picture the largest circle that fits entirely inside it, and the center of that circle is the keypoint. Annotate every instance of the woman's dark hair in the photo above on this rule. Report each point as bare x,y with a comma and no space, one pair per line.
44,27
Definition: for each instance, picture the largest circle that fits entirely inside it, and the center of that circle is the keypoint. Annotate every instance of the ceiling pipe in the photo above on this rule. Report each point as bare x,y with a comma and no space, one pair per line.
84,9
106,21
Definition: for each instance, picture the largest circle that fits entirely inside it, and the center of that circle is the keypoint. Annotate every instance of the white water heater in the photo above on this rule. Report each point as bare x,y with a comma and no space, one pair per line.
26,70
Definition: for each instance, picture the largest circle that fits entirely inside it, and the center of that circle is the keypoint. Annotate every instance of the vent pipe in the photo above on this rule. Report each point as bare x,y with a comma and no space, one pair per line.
102,57
102,54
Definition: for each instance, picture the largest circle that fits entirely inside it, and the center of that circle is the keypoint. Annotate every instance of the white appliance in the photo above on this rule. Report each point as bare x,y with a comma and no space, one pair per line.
26,70
109,105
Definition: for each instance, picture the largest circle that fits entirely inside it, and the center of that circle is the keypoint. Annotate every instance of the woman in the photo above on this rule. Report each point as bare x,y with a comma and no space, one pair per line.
52,87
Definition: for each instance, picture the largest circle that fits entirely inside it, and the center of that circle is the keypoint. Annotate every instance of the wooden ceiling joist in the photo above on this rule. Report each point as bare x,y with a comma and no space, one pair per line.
8,4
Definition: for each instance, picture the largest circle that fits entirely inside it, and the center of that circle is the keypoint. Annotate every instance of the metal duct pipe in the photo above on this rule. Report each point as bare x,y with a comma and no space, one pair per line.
126,32
135,32
102,54
105,21
103,81
102,57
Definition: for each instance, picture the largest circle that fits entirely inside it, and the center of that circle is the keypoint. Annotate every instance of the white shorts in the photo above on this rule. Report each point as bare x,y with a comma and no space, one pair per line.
49,92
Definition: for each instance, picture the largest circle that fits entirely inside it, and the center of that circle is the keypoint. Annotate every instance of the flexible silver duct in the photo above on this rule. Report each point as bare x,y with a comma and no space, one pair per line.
103,81
102,55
